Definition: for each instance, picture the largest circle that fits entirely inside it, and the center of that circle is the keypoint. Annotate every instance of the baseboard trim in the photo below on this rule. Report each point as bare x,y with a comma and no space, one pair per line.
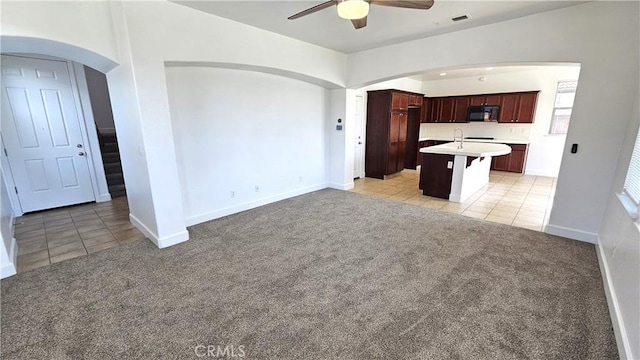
103,197
347,186
536,172
622,340
160,242
216,214
11,268
572,233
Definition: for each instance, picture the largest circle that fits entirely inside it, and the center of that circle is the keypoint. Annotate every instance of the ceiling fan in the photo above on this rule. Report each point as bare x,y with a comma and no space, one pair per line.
357,10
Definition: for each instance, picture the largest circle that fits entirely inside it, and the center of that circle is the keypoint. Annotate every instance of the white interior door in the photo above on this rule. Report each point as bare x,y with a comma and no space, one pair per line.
42,134
358,153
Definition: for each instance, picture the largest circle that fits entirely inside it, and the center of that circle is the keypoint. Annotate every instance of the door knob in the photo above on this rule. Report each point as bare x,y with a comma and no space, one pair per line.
359,142
79,146
81,153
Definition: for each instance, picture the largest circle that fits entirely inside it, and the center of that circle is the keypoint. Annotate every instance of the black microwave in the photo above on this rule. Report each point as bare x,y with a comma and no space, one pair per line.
483,113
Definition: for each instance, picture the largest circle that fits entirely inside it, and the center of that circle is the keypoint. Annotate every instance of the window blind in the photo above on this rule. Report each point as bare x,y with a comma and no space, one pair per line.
567,86
632,183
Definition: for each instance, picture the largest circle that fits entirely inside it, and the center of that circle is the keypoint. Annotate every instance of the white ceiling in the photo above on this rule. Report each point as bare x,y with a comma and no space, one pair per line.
386,25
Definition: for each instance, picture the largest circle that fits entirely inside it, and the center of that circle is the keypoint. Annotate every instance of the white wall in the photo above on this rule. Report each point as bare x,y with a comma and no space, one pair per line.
141,37
82,30
8,250
545,151
156,34
607,50
235,130
619,253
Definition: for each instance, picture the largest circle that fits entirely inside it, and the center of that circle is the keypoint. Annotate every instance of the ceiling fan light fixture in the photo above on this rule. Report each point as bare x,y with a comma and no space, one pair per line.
353,9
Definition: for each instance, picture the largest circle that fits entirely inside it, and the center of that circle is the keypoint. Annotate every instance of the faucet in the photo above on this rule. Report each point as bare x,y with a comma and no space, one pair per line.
455,131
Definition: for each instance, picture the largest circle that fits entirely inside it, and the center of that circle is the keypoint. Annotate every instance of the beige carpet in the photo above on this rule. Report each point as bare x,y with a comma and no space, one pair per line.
327,275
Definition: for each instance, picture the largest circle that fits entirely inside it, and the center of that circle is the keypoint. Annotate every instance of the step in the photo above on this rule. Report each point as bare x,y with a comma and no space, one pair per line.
111,168
111,137
117,190
115,179
109,148
110,157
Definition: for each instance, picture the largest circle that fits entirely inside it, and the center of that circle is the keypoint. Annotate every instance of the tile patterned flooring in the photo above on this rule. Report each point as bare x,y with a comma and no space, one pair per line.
513,199
50,236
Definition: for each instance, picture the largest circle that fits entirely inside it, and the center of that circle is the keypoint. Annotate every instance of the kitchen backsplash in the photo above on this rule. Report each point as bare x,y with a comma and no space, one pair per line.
495,130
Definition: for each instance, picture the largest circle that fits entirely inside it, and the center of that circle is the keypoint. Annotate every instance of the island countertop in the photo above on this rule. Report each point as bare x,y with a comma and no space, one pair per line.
476,149
493,141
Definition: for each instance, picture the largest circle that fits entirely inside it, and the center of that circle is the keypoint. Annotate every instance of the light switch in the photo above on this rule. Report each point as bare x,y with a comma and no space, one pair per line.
449,164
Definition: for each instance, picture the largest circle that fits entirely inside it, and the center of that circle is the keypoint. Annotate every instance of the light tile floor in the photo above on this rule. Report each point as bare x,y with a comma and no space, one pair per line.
513,199
50,236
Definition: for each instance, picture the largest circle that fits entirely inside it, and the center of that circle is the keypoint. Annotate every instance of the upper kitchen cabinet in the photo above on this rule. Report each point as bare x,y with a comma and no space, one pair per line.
388,116
518,107
461,103
449,109
425,110
480,100
399,101
415,100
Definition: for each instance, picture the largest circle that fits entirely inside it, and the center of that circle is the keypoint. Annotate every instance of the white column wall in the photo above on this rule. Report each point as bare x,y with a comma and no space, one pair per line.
619,252
161,32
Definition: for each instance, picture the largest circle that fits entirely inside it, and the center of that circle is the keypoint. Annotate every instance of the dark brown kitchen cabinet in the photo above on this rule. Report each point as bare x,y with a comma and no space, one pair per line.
433,112
426,108
399,101
415,100
461,103
493,99
518,107
386,133
427,143
476,100
527,109
513,162
518,158
479,100
421,144
447,109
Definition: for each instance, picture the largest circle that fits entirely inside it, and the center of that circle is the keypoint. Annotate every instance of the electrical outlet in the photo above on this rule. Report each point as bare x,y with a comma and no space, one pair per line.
233,194
257,188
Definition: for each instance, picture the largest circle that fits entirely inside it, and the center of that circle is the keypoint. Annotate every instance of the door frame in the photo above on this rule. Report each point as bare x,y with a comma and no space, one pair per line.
362,134
88,131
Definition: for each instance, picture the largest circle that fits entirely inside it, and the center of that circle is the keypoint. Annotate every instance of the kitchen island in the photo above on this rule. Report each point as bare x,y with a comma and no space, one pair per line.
455,172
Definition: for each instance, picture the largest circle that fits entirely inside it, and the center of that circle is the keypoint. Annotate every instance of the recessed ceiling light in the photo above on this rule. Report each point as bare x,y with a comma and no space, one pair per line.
489,68
443,74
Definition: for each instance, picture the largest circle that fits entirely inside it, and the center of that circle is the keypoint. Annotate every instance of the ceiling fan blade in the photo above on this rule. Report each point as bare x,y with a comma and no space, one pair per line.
359,23
311,10
410,4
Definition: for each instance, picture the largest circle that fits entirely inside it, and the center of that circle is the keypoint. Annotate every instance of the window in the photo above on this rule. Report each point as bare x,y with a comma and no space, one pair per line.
565,95
632,183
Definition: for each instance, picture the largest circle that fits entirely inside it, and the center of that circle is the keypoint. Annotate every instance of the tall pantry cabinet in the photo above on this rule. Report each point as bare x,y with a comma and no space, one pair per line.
387,121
